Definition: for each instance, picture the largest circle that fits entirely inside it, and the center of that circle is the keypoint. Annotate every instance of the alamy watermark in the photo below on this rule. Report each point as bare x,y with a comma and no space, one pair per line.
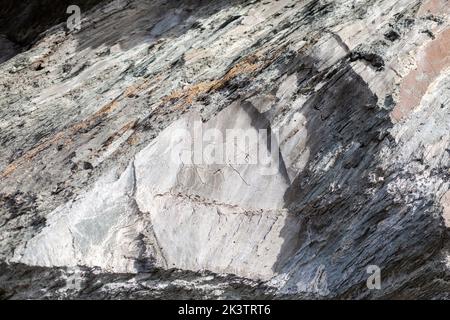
74,20
212,146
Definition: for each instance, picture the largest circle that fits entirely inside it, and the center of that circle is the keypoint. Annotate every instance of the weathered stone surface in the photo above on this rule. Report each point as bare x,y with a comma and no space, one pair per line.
7,49
357,91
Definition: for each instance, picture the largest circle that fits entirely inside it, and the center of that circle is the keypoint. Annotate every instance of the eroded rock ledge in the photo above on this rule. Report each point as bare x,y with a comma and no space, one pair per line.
358,91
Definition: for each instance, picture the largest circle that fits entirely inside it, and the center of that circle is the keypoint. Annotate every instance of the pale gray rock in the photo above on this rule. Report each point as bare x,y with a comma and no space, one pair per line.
357,91
7,48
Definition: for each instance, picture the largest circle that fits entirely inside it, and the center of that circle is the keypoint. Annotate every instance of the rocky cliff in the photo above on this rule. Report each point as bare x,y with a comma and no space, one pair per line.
353,96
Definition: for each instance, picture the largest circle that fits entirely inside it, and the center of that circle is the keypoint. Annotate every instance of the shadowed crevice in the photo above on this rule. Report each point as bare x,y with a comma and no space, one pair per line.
344,212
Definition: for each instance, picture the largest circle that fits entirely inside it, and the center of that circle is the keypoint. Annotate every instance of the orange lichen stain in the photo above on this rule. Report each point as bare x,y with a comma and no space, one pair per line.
434,7
129,126
136,89
8,170
431,61
133,140
190,94
67,135
248,65
106,109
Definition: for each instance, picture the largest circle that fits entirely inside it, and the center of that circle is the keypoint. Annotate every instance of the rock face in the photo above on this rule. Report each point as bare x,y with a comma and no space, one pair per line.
99,185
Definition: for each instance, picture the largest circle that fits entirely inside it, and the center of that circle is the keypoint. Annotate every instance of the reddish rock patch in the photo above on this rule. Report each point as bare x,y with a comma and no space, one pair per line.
434,7
431,61
446,205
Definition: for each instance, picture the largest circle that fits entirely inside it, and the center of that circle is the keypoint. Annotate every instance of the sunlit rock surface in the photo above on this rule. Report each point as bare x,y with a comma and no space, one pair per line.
356,94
